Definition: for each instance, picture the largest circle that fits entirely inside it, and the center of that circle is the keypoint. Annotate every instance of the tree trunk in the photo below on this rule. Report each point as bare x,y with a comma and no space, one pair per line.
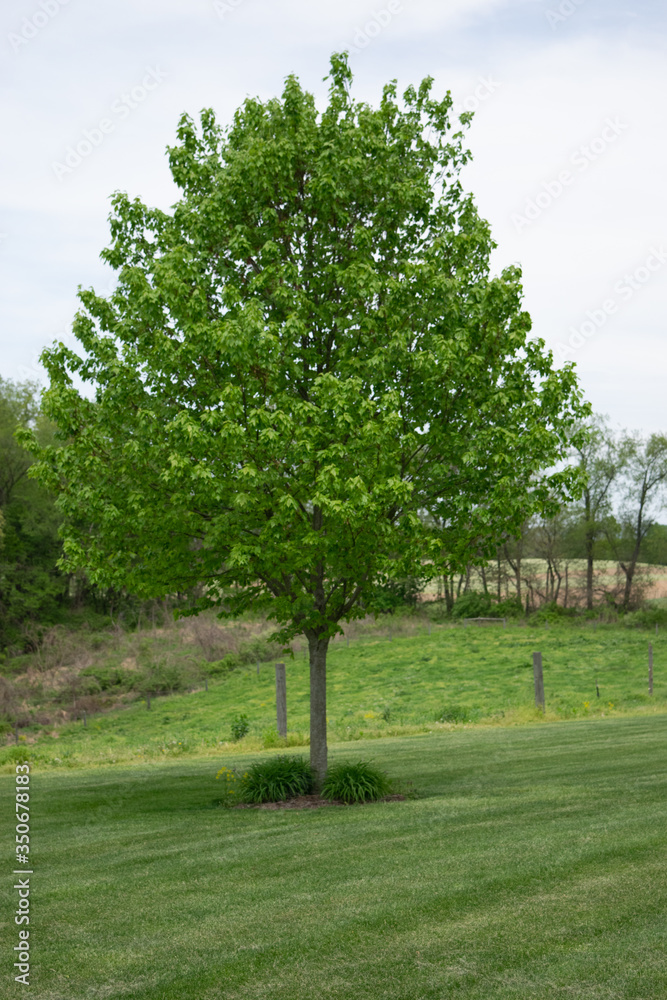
629,576
589,543
515,566
629,570
558,585
589,569
449,592
317,647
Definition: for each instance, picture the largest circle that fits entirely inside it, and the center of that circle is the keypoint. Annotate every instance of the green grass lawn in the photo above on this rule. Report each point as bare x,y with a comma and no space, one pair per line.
382,688
532,865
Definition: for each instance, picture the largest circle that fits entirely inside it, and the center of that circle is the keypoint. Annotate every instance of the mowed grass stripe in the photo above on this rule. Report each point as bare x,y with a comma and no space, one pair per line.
533,866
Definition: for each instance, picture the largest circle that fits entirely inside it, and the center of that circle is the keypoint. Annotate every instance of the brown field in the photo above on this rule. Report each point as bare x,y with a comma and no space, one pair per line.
650,581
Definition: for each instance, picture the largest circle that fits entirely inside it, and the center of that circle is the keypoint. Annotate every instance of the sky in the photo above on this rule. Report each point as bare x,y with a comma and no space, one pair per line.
568,140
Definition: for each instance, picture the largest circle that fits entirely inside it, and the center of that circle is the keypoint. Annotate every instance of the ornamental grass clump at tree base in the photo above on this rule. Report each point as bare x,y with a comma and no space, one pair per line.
306,382
276,779
355,782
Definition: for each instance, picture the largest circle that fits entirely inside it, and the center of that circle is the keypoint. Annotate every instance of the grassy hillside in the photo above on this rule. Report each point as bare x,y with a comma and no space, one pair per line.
379,687
532,865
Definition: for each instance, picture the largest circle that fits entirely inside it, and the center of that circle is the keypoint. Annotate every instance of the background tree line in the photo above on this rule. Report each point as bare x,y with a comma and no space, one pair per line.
566,559
31,587
34,592
563,559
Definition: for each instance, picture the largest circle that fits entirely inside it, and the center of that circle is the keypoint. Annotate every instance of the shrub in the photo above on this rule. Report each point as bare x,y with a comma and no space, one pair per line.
258,650
89,685
472,605
509,608
108,678
389,595
218,668
358,782
435,611
646,617
552,612
277,779
240,727
161,677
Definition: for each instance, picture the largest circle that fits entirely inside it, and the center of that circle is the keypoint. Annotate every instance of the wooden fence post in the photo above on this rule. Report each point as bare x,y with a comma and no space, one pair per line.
206,684
650,668
281,699
84,719
539,680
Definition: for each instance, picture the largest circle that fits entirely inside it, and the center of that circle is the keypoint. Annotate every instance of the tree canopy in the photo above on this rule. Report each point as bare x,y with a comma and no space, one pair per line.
306,380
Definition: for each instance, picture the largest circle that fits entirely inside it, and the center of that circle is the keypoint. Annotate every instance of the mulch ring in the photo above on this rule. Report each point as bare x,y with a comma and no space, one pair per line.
312,802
